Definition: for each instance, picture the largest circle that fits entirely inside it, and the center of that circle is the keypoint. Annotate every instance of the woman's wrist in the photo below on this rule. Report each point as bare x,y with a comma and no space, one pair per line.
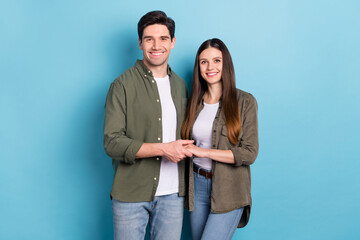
207,153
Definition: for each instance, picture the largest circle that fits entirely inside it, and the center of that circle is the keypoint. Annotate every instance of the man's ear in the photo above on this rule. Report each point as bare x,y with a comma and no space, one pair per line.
173,41
140,44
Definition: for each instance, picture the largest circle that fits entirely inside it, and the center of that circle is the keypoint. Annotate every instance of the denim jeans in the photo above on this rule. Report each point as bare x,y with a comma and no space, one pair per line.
205,224
165,214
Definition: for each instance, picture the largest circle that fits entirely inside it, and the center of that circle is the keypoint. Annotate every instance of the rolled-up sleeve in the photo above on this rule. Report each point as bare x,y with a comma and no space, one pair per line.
117,144
247,150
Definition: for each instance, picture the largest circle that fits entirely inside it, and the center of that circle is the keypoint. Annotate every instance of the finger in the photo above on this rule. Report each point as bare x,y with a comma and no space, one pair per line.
181,158
173,160
186,142
188,153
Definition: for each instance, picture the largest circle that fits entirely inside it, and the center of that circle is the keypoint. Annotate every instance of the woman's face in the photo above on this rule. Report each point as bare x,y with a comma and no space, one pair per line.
211,63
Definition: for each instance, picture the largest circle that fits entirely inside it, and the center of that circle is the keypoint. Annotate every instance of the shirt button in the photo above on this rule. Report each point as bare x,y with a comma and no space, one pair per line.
149,71
145,75
155,178
159,139
153,81
159,119
157,158
157,100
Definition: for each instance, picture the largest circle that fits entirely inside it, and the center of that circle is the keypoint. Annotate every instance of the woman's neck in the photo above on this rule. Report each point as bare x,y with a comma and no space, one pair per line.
213,94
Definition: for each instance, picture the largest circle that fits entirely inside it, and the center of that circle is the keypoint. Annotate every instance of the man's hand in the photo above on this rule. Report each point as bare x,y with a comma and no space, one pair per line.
176,151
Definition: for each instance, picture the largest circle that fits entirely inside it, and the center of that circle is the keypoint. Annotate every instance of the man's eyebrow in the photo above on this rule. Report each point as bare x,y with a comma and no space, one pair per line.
165,36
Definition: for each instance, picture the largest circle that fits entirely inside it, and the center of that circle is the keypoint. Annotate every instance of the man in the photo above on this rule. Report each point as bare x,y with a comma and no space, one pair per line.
145,107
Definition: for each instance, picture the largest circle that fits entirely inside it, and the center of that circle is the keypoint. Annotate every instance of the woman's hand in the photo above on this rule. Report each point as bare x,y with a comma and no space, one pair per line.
225,156
196,151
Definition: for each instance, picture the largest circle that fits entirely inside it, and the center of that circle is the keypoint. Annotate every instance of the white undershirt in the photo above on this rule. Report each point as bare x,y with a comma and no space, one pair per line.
202,132
169,175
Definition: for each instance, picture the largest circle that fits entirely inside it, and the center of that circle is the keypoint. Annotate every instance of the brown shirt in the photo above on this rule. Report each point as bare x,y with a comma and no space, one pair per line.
231,183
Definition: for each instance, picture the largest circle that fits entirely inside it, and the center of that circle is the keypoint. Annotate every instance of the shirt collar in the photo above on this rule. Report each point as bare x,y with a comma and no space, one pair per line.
144,70
220,101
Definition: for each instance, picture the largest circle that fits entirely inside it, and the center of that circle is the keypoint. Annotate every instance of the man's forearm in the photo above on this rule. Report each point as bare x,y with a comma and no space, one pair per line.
150,150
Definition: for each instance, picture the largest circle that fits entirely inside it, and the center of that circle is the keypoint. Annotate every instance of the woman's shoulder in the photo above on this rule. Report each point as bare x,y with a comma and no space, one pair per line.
244,96
247,102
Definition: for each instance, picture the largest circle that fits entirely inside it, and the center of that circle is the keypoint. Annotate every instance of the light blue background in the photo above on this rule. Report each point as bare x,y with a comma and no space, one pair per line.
300,59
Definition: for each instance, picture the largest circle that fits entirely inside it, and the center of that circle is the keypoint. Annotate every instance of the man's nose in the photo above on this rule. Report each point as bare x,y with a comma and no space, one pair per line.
156,44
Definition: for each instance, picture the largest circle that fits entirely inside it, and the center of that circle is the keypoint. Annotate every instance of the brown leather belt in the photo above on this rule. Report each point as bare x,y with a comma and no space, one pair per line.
202,172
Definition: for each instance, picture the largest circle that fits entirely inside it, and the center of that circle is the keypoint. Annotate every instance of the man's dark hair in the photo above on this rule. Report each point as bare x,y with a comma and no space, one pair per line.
156,17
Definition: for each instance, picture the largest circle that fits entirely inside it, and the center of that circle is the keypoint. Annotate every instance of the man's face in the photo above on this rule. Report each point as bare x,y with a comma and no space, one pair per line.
156,44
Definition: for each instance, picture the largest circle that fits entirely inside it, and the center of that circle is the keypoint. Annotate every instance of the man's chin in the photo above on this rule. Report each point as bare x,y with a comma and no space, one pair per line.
157,63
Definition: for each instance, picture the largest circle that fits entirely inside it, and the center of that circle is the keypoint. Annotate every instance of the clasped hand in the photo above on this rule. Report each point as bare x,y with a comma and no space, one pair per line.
176,151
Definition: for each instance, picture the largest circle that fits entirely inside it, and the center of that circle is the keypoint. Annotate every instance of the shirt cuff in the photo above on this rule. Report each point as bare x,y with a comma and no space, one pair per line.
130,154
237,159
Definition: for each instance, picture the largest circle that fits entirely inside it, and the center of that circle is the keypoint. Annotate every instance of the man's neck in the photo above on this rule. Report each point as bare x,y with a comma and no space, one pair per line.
157,71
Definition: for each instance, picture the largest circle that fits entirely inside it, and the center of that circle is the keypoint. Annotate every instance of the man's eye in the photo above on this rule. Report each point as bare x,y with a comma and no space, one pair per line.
202,62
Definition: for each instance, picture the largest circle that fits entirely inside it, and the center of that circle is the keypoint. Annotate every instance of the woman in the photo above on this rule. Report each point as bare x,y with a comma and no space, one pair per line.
223,122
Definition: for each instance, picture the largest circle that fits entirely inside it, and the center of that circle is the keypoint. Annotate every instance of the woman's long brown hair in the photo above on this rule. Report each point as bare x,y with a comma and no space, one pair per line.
230,106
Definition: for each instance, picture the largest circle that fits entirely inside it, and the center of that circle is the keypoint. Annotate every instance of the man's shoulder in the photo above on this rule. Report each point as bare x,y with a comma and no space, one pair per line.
128,76
177,79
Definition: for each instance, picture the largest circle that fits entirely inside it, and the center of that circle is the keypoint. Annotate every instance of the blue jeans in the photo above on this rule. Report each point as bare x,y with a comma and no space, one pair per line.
165,214
205,224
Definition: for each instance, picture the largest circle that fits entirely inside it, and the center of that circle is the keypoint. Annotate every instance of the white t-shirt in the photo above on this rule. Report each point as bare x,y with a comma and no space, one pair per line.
202,132
169,174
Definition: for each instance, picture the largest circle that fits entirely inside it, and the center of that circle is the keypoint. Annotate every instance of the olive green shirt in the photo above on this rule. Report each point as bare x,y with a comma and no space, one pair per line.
133,117
231,183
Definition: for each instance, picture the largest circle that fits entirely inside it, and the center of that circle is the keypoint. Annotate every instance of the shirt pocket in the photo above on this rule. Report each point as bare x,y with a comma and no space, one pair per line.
224,143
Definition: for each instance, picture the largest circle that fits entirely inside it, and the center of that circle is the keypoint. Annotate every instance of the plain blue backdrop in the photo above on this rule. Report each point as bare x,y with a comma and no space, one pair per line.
300,59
